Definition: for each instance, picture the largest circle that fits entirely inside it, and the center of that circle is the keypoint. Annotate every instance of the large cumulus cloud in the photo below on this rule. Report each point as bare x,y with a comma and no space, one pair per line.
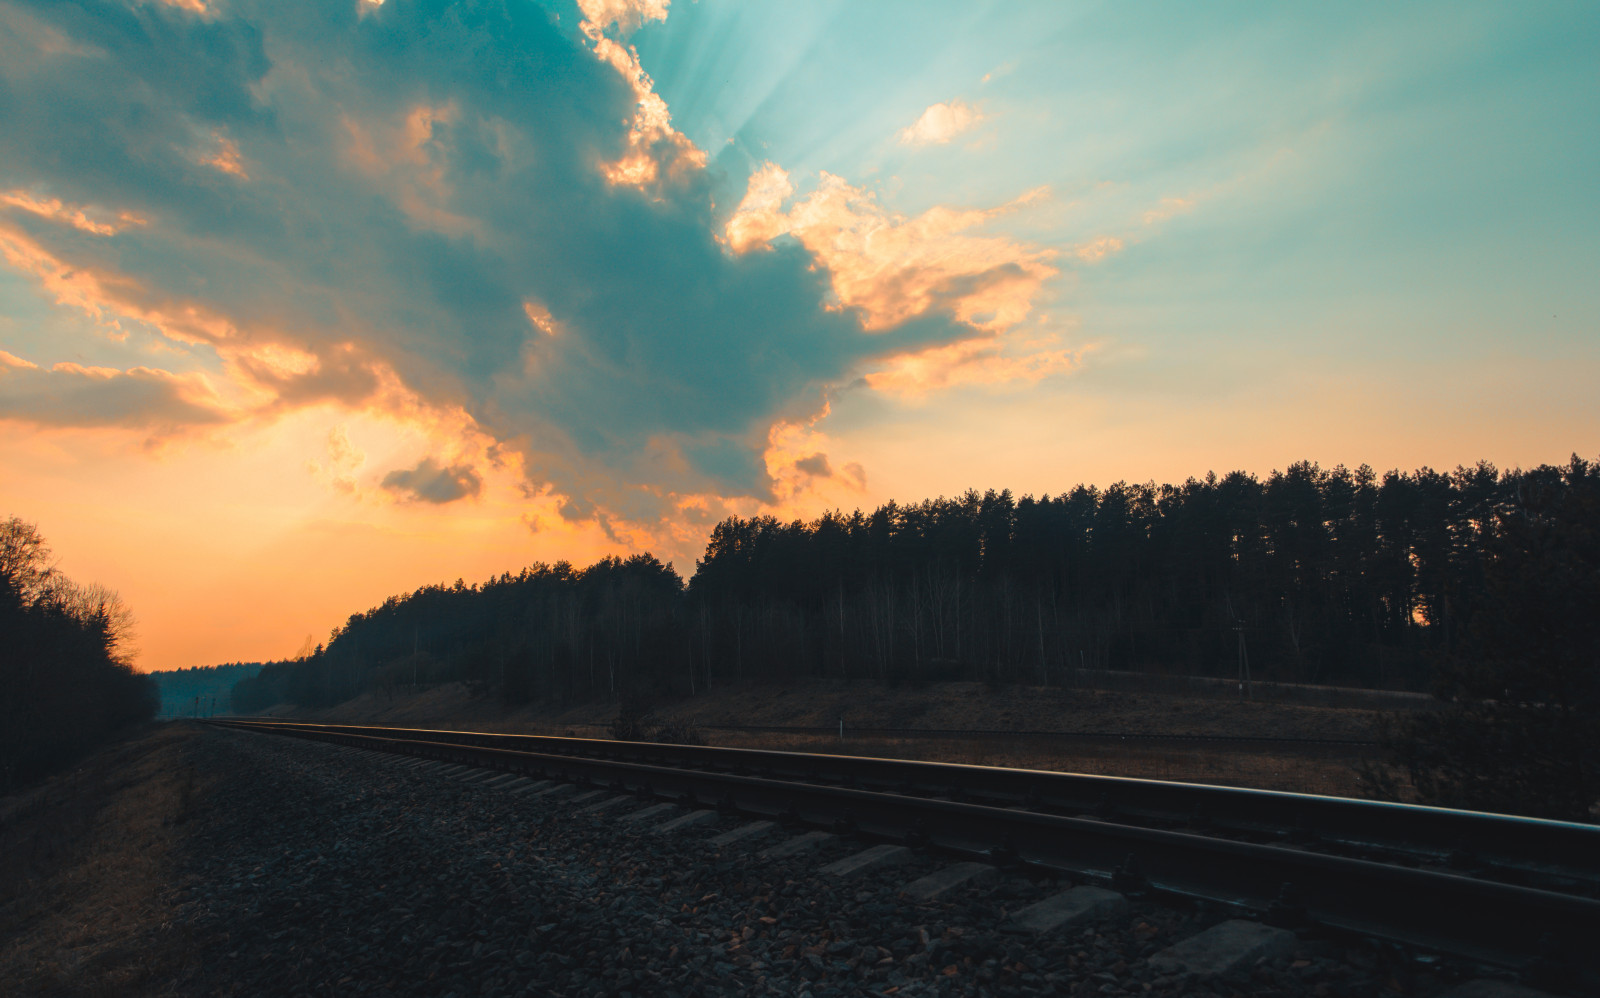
420,190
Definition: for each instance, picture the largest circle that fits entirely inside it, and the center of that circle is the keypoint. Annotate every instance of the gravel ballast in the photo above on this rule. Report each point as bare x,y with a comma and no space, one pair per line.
316,869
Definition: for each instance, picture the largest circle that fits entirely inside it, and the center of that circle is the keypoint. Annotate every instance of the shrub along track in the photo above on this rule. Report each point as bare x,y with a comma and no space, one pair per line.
1518,893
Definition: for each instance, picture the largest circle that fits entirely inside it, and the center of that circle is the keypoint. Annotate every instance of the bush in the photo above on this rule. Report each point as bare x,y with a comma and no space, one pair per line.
1505,758
633,723
679,734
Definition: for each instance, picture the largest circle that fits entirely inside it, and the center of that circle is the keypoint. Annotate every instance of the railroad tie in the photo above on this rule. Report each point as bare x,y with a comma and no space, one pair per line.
587,796
743,832
887,854
1222,948
804,842
1065,909
941,882
604,805
653,811
689,820
1486,988
559,790
532,786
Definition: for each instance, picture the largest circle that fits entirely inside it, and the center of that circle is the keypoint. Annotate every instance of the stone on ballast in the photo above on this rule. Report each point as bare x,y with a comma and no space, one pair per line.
948,879
799,843
1066,908
1223,947
887,854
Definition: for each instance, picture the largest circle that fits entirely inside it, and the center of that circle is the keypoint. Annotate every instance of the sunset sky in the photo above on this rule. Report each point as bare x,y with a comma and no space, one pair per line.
303,304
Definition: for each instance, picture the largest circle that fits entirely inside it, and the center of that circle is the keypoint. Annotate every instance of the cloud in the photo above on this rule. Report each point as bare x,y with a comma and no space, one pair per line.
624,15
656,150
225,157
815,465
71,395
83,219
1096,250
988,360
336,372
892,267
470,216
432,482
940,123
1167,208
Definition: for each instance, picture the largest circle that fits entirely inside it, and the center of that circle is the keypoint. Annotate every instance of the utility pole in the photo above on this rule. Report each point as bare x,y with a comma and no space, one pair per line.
1244,662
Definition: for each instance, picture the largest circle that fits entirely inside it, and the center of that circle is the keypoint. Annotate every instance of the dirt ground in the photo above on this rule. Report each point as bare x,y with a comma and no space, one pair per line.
963,706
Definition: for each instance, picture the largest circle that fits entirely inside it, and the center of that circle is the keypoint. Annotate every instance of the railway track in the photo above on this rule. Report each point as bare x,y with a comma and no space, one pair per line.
996,735
1513,892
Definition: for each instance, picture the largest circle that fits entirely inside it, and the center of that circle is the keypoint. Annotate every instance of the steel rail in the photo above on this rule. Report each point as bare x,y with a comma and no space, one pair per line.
1527,850
995,734
1480,919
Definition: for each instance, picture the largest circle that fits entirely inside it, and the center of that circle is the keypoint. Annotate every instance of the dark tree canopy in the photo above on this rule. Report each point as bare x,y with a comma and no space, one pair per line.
65,682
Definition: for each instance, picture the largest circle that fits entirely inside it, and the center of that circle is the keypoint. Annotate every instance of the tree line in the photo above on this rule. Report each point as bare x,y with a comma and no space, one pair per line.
1338,576
66,682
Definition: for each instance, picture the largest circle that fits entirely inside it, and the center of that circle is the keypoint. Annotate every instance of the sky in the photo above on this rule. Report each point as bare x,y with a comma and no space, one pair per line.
303,305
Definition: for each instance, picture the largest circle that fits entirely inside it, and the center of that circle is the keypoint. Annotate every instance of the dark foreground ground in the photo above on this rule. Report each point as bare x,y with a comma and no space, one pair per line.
208,862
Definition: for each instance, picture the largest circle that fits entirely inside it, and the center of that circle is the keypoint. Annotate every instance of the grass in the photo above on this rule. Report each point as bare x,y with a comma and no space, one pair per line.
84,870
1304,769
1310,772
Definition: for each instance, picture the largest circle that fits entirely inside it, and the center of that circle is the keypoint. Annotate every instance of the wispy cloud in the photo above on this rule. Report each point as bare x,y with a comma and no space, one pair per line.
72,395
1167,208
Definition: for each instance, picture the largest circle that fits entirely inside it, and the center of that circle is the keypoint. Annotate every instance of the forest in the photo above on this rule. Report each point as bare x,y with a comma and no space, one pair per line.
199,690
1309,575
67,681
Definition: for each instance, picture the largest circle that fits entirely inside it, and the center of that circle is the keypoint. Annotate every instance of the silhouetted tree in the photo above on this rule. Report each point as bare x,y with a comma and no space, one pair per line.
65,680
